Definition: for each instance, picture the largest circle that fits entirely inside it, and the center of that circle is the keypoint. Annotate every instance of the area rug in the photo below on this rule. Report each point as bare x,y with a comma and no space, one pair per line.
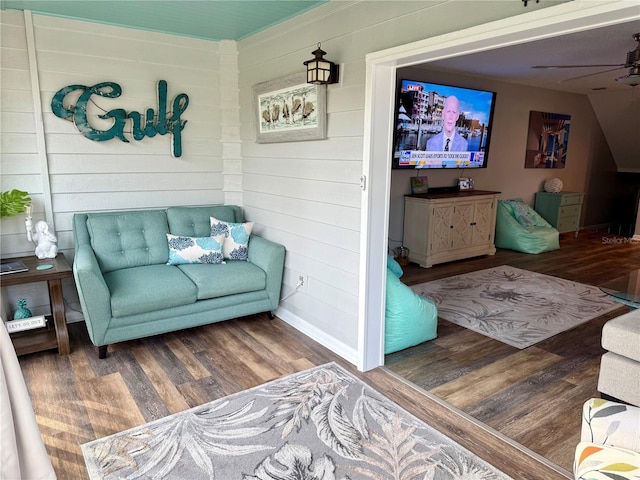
515,306
319,424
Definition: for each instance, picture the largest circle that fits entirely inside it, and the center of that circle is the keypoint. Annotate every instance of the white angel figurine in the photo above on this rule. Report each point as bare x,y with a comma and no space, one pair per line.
46,241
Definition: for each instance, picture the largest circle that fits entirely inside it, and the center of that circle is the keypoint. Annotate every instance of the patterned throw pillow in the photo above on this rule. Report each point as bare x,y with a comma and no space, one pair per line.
236,242
195,249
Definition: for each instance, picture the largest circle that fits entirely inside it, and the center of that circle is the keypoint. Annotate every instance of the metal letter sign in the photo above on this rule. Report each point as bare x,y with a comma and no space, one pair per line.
153,123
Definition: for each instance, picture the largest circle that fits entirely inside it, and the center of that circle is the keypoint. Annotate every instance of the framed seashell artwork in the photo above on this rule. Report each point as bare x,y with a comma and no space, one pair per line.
290,110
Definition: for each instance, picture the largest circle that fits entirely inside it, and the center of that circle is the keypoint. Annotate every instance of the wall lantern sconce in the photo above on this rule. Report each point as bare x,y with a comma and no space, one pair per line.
321,71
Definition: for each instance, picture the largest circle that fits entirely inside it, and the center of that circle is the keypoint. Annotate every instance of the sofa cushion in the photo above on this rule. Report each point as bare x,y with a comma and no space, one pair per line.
236,242
225,279
611,423
621,335
593,461
618,378
128,239
148,288
194,249
194,221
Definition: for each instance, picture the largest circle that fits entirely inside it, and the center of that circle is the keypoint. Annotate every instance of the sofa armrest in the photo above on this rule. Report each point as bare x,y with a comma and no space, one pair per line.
93,292
269,256
610,423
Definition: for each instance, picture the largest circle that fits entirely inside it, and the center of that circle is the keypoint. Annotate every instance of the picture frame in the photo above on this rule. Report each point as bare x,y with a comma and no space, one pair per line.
547,140
289,109
419,185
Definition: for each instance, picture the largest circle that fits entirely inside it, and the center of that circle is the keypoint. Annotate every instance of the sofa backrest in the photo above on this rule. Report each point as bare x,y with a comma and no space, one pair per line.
128,239
194,221
134,238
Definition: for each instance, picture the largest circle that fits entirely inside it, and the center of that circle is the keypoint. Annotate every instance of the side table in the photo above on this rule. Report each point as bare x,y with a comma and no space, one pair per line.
45,338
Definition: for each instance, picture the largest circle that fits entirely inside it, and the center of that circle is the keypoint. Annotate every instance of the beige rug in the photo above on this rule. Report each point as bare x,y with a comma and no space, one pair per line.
320,424
515,306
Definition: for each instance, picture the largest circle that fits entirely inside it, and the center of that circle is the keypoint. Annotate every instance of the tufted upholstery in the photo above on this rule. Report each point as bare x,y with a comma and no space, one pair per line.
132,239
194,221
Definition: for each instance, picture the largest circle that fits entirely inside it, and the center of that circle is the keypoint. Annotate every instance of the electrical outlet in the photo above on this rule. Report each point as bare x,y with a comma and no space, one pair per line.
301,281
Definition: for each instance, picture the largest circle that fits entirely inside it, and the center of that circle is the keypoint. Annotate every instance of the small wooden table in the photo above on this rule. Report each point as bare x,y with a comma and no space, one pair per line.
45,338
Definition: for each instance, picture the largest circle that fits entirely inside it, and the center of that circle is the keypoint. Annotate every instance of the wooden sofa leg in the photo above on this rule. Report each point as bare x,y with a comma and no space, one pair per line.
102,351
271,315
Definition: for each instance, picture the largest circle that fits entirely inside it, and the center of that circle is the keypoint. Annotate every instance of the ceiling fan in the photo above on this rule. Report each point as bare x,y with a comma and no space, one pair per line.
632,63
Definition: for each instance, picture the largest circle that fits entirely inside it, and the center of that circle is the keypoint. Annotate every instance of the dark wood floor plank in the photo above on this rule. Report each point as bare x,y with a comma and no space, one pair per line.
186,356
163,382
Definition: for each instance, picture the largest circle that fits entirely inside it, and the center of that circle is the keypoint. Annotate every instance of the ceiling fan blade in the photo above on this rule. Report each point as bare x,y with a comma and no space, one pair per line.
590,74
578,66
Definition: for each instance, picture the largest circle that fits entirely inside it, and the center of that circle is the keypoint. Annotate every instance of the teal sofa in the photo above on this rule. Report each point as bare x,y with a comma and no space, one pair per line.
128,290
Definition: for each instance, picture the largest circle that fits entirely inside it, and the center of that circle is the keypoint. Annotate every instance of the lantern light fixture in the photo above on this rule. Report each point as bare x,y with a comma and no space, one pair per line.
321,71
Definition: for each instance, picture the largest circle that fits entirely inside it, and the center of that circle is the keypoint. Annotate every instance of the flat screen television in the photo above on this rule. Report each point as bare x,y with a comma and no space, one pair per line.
441,126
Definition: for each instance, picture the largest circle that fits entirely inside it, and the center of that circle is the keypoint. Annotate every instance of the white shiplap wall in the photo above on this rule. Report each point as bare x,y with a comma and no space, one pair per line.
307,194
86,175
18,148
20,163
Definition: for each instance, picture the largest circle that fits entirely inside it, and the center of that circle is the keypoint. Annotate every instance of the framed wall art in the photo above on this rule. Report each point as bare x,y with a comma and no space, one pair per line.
547,140
290,110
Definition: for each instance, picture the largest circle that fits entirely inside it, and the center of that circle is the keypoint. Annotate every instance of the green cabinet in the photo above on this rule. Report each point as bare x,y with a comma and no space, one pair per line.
562,210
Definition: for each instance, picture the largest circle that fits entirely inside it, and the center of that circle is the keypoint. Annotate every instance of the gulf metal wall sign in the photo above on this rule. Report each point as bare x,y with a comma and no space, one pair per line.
152,123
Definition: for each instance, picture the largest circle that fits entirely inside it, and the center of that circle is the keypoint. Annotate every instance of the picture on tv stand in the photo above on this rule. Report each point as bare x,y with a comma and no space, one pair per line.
441,126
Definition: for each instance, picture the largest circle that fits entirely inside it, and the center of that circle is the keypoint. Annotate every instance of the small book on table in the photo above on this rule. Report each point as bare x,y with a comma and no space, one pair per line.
12,267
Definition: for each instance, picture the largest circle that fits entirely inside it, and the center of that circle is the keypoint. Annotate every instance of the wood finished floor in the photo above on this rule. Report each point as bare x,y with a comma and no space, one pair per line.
78,398
533,396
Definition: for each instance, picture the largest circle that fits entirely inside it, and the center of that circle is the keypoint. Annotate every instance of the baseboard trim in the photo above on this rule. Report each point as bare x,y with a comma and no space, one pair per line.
337,347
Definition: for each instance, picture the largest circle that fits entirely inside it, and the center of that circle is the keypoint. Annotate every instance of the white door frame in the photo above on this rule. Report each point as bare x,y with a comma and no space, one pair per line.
380,84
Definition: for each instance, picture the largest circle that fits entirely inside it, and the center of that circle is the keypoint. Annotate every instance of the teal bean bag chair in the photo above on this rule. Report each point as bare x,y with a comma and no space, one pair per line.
519,227
409,318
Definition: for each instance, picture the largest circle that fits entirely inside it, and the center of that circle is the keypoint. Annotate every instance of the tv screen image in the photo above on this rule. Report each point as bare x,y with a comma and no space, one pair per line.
441,126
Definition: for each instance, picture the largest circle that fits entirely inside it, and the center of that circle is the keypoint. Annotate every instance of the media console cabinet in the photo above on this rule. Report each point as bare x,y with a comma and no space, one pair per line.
442,227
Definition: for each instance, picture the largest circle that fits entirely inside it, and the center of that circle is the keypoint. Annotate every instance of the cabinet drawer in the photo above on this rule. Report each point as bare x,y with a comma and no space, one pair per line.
571,199
568,211
567,224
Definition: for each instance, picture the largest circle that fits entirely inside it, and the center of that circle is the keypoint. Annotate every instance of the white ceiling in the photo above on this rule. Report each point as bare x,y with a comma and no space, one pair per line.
607,45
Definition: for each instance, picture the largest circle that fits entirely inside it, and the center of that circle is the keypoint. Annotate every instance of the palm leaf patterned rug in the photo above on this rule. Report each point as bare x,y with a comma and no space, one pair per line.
515,306
319,424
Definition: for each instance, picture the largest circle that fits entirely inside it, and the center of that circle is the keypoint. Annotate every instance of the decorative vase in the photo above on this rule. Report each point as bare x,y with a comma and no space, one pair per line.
22,311
553,185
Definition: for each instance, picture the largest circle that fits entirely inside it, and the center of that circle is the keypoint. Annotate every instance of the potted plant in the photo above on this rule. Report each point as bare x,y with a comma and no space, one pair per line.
13,202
